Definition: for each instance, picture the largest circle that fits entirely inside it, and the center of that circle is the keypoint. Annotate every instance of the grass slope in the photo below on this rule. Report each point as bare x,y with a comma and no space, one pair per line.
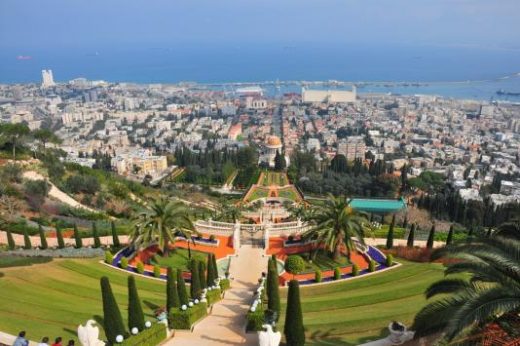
52,299
350,313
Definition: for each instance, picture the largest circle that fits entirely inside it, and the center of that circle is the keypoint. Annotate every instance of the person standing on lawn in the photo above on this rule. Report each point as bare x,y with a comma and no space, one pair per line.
21,340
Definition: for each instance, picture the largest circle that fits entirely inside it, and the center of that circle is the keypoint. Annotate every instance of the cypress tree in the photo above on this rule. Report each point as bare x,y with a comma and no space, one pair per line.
112,320
59,237
429,243
97,242
202,275
211,277
77,237
405,222
10,240
411,236
273,293
43,239
195,288
215,268
390,235
172,295
293,328
115,238
181,288
449,240
26,240
135,310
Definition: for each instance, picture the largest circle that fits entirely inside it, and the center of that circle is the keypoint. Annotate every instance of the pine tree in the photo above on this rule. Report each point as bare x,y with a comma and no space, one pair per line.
112,320
431,237
181,288
59,237
293,328
172,295
115,238
202,275
135,310
449,240
273,292
10,240
95,235
43,239
26,240
195,288
390,235
77,237
210,275
411,236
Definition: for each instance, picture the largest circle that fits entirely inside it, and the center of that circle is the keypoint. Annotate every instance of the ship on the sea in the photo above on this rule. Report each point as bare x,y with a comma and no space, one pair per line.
502,92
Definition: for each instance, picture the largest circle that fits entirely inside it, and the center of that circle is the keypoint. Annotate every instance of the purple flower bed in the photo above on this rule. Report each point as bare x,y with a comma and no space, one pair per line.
376,255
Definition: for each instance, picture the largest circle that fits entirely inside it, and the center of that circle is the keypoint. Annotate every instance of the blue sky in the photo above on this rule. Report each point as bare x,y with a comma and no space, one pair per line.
73,23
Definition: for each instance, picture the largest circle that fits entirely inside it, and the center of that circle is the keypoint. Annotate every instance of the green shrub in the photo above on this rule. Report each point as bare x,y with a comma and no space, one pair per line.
109,258
181,288
293,327
372,266
139,267
124,263
411,236
431,238
26,241
95,235
255,320
390,235
202,275
77,237
180,319
21,261
317,276
135,310
213,296
172,296
10,240
43,239
294,264
337,273
195,287
112,320
355,270
157,271
389,260
225,284
148,337
115,238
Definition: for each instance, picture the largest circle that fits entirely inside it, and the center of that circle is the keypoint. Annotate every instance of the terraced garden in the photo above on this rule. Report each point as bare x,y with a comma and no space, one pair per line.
273,178
52,299
357,311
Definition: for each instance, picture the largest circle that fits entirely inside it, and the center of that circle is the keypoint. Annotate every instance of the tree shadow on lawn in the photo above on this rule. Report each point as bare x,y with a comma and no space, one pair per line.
325,338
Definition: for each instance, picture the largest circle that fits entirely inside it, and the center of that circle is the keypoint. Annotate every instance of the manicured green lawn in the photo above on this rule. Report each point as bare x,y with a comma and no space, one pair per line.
179,258
52,299
322,261
357,311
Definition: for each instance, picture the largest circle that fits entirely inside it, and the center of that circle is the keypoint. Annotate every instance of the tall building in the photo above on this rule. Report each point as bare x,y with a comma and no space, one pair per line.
352,148
47,79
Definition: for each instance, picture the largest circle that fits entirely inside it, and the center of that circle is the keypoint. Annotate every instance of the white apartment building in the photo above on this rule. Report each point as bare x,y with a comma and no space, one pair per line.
47,79
352,148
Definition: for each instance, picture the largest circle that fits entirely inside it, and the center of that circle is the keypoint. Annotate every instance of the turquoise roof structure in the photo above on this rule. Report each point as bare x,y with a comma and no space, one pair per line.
378,206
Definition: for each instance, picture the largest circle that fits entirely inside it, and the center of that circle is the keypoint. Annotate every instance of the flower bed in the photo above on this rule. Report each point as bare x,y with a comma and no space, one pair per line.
185,319
149,337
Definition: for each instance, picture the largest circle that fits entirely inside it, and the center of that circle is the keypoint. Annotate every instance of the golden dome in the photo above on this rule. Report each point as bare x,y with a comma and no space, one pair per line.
273,141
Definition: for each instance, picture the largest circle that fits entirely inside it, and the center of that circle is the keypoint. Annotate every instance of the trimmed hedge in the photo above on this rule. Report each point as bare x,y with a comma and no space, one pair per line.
180,319
225,284
149,337
157,271
337,273
317,276
109,258
355,270
255,320
124,263
213,296
139,267
372,266
389,260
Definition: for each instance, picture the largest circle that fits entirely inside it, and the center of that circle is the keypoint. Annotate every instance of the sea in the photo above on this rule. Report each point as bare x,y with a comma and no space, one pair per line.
465,72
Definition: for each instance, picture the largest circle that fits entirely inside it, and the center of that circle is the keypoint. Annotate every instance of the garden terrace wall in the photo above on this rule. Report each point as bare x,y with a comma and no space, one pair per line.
152,336
179,319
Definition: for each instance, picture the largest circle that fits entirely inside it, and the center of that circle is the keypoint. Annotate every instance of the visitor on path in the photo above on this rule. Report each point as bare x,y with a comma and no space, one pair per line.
57,342
21,340
45,342
70,343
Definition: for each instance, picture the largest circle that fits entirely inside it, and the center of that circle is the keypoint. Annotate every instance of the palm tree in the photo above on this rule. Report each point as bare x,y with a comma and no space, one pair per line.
491,292
510,229
161,224
335,224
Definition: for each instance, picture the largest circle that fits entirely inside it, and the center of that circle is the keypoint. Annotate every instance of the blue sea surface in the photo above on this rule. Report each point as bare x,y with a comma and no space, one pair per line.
481,69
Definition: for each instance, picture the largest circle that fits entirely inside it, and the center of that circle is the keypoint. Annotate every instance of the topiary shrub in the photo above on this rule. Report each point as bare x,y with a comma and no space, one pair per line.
77,237
389,260
213,296
10,240
115,238
124,263
337,273
255,320
112,320
372,266
172,296
135,310
212,237
139,267
157,271
95,235
317,276
43,239
181,288
59,237
109,258
431,237
294,264
26,240
179,319
225,284
148,337
195,287
293,328
355,270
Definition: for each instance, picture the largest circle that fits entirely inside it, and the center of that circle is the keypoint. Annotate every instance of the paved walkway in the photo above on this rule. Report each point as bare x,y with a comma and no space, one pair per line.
226,324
